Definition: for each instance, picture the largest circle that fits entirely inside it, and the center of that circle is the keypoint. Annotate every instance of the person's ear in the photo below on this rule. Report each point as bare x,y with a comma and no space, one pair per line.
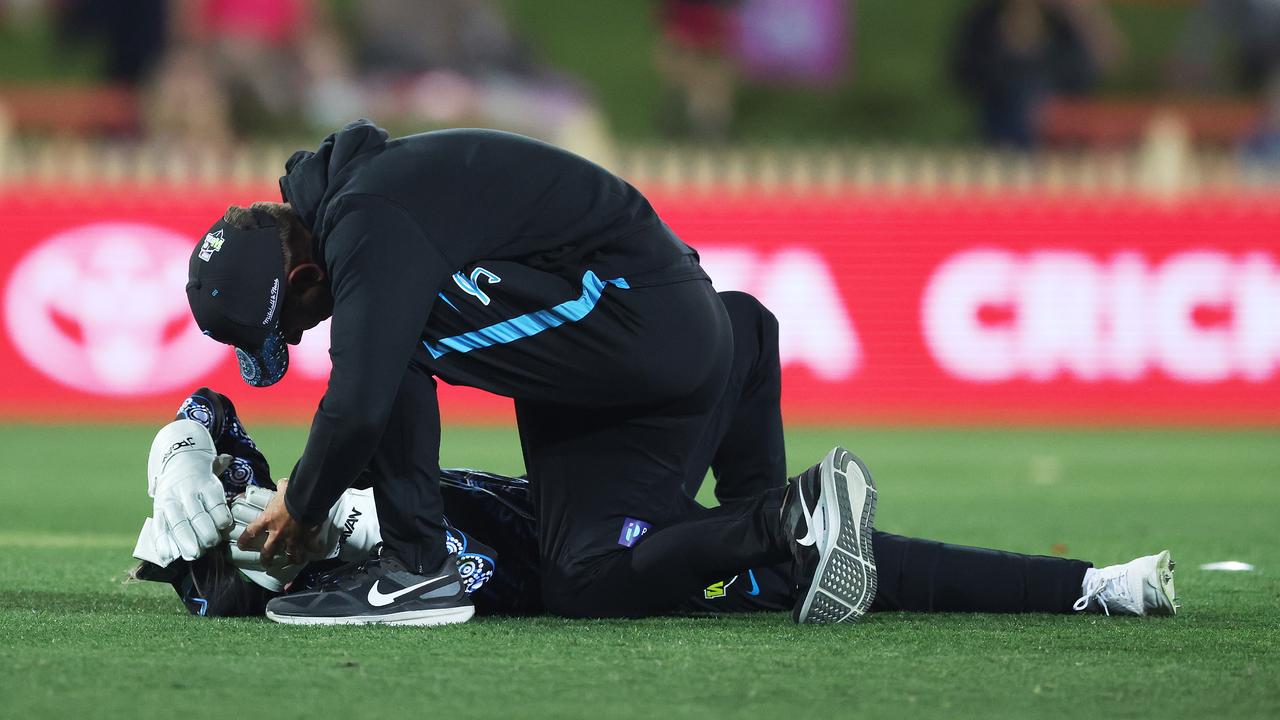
306,275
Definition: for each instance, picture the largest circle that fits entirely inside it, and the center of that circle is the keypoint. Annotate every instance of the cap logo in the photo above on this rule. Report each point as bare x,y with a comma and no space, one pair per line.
212,244
275,296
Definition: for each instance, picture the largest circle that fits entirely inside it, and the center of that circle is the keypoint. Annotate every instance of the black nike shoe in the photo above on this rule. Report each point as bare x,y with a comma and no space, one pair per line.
379,591
828,516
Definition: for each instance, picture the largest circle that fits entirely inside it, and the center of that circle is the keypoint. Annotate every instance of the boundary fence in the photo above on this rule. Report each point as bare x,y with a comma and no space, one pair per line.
1158,168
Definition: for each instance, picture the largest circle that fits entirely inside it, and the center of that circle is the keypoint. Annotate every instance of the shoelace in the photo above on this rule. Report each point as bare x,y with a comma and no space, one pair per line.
1118,584
341,572
348,569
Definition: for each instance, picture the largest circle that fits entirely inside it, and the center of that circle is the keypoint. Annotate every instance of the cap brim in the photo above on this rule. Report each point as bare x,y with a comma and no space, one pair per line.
268,364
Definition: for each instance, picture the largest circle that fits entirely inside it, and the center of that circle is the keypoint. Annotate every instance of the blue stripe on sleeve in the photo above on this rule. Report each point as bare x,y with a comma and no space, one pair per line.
529,324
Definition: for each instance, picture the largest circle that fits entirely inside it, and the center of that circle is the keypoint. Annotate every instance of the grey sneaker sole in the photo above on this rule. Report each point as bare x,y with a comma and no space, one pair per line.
844,584
435,616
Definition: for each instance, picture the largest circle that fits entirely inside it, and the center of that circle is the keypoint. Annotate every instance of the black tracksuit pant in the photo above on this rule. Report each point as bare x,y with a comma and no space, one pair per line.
621,411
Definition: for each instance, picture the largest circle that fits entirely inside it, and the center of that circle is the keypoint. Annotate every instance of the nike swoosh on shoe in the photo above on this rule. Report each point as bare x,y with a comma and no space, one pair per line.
379,599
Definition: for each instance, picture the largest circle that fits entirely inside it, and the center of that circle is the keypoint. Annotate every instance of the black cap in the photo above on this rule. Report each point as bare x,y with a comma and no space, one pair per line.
236,285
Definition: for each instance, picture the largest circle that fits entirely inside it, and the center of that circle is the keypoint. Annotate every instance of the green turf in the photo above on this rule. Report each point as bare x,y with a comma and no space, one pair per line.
75,641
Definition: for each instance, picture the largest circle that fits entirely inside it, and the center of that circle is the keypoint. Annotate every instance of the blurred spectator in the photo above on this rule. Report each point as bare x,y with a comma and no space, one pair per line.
1251,31
236,65
695,67
131,33
453,62
103,49
1262,149
409,36
1013,55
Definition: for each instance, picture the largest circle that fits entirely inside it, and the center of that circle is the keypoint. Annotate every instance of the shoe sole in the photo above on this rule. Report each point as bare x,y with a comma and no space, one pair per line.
437,616
1164,568
844,583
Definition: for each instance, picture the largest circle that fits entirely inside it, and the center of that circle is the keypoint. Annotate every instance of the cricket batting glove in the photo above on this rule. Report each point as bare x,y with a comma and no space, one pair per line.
350,533
189,513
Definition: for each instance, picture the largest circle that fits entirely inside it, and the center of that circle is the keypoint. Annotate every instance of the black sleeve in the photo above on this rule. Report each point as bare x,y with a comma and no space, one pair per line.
385,276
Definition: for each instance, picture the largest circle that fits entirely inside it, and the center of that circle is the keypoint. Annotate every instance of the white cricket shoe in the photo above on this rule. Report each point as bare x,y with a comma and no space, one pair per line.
1138,587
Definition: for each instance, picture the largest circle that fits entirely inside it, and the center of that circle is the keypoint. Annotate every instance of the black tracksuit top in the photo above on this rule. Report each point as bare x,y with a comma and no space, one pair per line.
395,218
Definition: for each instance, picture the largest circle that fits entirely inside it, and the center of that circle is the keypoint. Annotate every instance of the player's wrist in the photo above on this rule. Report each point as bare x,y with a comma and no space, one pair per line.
300,512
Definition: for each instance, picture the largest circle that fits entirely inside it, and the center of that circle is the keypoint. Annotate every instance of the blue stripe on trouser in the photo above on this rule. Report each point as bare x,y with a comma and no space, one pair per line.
530,324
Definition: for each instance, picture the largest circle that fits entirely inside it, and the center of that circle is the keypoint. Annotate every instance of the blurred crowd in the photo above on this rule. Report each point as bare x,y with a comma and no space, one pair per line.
213,71
1012,56
1016,58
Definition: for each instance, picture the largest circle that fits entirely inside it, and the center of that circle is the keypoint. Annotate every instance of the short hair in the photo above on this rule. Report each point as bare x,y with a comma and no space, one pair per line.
294,238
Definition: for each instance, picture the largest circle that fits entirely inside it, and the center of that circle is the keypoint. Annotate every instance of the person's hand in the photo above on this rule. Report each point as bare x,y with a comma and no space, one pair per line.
282,532
245,510
350,533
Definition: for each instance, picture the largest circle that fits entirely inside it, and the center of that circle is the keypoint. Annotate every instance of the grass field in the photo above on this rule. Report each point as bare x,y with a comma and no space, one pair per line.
77,642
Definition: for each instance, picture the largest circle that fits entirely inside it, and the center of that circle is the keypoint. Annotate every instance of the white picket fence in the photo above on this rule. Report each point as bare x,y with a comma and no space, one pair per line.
1152,169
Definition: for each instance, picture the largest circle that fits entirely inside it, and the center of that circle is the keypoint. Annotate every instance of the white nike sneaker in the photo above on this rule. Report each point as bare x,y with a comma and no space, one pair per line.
1138,587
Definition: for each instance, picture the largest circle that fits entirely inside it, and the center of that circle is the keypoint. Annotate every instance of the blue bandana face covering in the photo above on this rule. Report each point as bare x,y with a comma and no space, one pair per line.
268,364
